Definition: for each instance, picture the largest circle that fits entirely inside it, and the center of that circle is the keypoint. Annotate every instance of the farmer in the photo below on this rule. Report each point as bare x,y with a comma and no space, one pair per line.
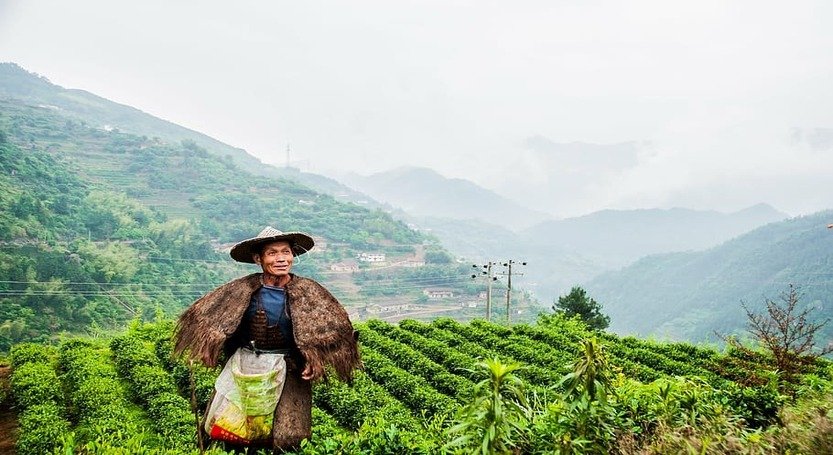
276,312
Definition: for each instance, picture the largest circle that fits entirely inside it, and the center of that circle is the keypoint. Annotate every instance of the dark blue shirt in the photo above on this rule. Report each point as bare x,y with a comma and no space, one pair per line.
273,300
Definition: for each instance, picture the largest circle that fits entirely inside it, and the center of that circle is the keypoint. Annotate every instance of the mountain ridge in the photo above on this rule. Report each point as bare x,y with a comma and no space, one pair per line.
423,192
623,236
689,295
89,107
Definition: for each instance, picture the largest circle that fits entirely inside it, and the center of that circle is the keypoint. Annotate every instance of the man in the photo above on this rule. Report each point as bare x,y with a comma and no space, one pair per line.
278,312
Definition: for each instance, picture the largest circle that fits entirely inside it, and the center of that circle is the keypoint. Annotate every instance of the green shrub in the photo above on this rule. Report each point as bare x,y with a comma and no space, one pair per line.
758,406
99,397
96,397
149,381
41,429
23,353
173,419
497,417
131,353
578,425
155,388
35,383
204,377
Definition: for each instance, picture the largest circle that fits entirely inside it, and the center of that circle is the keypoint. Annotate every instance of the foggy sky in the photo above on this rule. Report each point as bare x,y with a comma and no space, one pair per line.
567,106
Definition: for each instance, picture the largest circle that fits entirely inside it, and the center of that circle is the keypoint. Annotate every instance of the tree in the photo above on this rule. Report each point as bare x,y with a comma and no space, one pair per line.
787,333
437,257
577,303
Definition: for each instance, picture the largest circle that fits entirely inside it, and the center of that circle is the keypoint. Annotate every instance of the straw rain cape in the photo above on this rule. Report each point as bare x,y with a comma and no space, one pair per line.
322,330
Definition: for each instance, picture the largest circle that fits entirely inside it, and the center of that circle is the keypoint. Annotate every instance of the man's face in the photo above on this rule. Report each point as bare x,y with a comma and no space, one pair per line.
275,258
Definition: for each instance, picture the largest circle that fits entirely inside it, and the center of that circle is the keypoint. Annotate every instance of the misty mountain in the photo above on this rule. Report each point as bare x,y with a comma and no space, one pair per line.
332,187
618,237
691,295
101,113
568,177
98,112
422,192
562,253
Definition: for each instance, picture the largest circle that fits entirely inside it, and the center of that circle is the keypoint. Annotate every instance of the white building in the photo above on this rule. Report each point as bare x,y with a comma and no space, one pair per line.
372,257
438,293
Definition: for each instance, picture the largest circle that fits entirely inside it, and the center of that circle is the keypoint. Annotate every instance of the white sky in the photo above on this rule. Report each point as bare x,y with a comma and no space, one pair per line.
724,103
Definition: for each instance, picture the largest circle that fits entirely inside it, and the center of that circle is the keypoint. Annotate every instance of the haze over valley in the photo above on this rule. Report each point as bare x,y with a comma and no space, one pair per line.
583,140
471,224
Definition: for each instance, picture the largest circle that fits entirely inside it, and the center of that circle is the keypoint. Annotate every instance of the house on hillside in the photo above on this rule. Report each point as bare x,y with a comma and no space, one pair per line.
371,257
438,293
345,266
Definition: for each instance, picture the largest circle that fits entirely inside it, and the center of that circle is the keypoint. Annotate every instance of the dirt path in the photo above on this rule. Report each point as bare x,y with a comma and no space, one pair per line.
8,418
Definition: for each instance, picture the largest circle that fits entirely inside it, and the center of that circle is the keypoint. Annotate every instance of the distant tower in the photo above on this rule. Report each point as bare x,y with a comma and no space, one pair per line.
287,154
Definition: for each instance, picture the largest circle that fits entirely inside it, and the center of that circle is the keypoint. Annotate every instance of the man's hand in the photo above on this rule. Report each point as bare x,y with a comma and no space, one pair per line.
309,374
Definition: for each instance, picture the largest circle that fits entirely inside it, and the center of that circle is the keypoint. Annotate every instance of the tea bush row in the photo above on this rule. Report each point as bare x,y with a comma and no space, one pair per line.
37,392
97,398
452,359
504,339
178,367
411,390
155,389
351,405
557,335
407,358
532,373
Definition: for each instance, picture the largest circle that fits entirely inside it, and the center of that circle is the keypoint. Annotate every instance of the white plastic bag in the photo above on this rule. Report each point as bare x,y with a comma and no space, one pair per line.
246,394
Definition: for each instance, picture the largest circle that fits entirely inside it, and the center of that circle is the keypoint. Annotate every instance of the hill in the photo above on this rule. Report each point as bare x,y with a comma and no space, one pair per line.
97,112
422,192
622,236
184,181
103,225
332,187
561,253
690,295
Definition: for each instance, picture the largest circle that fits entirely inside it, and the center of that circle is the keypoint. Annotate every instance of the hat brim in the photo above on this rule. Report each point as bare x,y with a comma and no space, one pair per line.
243,251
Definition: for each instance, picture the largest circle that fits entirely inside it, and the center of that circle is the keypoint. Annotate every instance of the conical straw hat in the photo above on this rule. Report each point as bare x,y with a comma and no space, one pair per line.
300,242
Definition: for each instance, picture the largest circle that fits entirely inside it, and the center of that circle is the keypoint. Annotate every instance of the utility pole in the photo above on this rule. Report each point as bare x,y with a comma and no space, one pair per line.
489,280
509,286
